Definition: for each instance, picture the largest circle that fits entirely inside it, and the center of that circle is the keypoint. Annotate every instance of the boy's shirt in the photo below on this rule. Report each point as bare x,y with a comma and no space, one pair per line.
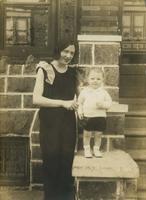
89,98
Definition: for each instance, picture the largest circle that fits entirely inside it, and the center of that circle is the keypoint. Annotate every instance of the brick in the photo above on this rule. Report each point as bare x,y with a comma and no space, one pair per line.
21,84
15,69
35,138
106,54
10,101
28,102
2,84
37,172
36,152
97,190
111,76
85,56
16,122
115,125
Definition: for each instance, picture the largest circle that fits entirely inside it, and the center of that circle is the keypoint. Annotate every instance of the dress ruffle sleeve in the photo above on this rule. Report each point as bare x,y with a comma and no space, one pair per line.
48,69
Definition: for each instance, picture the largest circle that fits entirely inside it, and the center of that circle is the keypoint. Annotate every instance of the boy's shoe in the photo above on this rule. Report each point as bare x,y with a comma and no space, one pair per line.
97,153
87,152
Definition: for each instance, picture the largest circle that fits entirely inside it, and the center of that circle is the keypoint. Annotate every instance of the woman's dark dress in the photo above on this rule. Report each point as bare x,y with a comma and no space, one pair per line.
58,137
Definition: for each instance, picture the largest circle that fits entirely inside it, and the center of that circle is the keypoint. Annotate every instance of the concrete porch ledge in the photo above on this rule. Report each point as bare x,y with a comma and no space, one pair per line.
99,38
113,164
118,108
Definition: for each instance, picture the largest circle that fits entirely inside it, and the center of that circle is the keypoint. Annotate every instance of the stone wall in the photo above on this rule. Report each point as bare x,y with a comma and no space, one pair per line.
16,108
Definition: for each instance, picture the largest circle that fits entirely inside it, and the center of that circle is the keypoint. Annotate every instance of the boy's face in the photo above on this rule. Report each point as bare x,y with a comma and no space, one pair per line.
95,79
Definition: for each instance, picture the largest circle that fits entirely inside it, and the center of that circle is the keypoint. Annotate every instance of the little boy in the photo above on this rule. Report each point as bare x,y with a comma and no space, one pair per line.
93,101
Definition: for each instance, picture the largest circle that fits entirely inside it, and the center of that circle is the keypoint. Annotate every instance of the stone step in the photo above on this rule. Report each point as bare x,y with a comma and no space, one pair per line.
135,143
135,121
141,194
135,132
113,164
137,154
137,113
134,104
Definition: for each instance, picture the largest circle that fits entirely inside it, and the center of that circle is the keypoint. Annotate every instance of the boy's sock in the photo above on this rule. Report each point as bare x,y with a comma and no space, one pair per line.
96,151
87,151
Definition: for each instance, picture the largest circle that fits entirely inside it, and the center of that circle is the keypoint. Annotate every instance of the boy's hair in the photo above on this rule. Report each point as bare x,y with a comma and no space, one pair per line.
96,70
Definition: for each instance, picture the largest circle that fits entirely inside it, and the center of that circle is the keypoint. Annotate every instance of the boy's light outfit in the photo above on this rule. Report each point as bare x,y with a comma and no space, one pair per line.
89,98
88,105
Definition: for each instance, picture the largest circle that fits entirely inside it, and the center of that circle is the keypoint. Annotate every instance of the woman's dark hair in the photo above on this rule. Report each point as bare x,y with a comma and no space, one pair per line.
63,45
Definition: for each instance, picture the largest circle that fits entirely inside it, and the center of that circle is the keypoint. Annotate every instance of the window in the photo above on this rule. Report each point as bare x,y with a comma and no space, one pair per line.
18,26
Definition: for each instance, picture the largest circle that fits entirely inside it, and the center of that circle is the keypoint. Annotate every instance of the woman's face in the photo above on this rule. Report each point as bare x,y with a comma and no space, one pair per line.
67,54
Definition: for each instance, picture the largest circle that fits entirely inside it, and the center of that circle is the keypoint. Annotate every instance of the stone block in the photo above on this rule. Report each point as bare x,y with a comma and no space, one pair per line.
97,190
36,124
3,64
30,69
85,55
142,179
106,54
2,84
24,84
131,189
35,138
114,92
15,69
10,101
115,124
117,143
15,122
37,172
28,102
111,76
36,152
141,195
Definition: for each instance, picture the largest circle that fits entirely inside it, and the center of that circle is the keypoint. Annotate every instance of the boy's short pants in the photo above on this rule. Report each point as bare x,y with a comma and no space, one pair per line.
93,123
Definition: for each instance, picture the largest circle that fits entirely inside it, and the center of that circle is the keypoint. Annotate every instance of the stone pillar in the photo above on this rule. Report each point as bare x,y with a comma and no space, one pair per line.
102,51
110,176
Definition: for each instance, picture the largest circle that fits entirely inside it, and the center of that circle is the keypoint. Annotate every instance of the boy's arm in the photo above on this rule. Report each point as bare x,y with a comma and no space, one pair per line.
106,104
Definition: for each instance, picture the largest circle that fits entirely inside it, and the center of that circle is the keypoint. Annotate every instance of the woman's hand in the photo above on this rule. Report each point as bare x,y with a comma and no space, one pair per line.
70,105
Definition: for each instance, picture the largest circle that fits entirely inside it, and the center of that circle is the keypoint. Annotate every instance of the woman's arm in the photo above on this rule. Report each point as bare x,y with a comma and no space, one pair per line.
80,107
38,98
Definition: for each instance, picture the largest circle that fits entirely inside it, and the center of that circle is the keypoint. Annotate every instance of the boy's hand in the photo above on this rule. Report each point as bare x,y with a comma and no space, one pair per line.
99,105
81,115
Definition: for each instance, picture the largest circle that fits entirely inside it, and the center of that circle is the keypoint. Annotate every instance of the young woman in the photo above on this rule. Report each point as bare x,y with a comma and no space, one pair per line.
54,92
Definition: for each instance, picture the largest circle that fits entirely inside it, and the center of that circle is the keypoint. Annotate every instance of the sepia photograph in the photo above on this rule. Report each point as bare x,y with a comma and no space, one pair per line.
72,99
